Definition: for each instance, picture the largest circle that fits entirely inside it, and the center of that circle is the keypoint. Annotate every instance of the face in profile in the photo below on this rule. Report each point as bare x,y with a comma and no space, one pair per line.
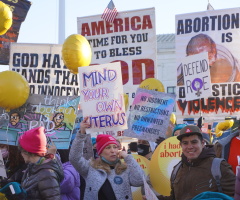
177,132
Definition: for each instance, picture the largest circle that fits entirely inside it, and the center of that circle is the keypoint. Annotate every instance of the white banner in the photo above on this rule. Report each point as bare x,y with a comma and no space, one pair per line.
42,66
101,94
130,39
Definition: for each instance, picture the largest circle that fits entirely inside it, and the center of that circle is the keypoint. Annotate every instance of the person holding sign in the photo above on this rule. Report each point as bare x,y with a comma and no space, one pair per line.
107,178
194,174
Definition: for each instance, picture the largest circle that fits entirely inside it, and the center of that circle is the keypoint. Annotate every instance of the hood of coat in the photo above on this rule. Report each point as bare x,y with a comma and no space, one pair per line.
208,151
52,164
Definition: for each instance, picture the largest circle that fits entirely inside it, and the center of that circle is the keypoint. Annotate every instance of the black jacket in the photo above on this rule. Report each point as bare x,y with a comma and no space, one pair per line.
41,182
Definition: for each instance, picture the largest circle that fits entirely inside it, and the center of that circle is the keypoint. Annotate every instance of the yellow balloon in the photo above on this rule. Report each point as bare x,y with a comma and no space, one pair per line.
14,90
152,84
173,118
126,101
5,18
223,126
76,52
230,121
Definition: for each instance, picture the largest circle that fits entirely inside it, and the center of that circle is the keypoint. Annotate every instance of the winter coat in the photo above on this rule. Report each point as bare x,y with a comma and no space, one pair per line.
42,181
237,186
196,177
222,147
70,186
95,178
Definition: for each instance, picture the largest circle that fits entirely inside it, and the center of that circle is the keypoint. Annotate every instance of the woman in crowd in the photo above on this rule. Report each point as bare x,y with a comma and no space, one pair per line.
70,186
43,175
107,178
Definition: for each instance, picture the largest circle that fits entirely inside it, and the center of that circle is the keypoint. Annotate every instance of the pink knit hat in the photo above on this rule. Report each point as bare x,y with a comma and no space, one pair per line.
34,141
103,141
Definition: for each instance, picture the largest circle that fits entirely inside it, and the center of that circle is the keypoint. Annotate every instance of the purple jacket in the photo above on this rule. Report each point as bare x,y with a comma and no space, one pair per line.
70,186
237,186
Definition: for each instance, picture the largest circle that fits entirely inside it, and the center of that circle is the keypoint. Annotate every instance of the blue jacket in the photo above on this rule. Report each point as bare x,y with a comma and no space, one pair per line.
70,186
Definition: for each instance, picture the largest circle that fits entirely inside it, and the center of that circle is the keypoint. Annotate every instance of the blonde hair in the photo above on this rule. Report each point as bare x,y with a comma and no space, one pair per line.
99,164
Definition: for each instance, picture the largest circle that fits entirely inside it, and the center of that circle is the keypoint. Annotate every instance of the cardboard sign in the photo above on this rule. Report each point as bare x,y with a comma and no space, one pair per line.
150,115
197,79
101,94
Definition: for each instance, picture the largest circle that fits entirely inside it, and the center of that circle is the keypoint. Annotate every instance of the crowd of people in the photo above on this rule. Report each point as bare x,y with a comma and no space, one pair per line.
46,173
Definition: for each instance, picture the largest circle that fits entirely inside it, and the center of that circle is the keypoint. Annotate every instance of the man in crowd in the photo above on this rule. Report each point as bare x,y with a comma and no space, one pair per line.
194,175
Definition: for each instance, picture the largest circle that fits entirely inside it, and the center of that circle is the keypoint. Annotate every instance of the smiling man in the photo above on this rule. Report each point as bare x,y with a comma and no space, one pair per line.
194,175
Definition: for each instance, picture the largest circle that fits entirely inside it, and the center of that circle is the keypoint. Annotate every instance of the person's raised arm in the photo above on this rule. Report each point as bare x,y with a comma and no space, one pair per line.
84,125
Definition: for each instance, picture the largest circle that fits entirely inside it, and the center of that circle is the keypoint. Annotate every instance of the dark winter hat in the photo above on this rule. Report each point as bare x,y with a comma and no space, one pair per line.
34,141
133,146
189,130
103,141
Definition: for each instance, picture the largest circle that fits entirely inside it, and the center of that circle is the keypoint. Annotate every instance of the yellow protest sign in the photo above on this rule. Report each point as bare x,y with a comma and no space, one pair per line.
164,158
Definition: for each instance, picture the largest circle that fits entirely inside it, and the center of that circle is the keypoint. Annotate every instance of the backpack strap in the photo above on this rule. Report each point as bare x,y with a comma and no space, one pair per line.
216,172
174,172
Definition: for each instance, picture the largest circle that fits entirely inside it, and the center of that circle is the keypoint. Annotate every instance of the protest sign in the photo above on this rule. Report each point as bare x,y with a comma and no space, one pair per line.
216,32
164,158
42,66
130,39
3,172
197,79
56,114
102,100
19,9
150,114
149,194
144,164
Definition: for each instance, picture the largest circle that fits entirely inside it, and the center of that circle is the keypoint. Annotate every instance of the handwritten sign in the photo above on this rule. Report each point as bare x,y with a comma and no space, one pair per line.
101,94
150,114
197,80
56,114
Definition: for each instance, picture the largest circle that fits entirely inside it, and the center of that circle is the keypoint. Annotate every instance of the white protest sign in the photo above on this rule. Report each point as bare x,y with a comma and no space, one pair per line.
3,172
149,194
101,95
150,114
131,39
197,80
43,68
216,32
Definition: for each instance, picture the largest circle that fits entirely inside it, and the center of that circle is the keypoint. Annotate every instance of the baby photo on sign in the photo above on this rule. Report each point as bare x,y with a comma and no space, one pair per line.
224,67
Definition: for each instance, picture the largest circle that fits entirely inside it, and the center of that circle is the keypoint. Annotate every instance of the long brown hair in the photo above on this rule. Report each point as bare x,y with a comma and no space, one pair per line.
99,164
